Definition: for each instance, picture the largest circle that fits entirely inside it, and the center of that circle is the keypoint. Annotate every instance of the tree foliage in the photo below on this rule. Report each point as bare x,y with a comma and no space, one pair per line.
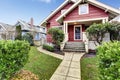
18,33
13,56
114,30
57,36
98,31
109,60
28,37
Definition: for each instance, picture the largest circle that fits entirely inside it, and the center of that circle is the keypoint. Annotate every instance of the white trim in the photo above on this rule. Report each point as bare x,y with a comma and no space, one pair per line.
3,27
63,4
104,6
79,11
80,31
72,7
95,2
94,19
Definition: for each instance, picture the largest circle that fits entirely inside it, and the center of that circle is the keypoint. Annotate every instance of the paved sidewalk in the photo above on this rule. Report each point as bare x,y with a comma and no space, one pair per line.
69,69
50,53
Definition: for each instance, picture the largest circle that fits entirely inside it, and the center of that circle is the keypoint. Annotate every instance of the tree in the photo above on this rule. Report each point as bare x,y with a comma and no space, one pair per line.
57,36
114,30
97,31
18,33
28,37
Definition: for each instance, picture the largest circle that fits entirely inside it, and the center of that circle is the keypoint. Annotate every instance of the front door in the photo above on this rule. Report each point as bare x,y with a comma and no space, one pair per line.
77,32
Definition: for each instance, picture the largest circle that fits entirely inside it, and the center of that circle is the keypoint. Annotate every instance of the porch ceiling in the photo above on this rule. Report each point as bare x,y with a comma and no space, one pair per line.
86,23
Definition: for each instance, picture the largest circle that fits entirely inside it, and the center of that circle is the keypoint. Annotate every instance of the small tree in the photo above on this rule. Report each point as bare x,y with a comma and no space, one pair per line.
114,30
18,33
97,31
57,36
28,37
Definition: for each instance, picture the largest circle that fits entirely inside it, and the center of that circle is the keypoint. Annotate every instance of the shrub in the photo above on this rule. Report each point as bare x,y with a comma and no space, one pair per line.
28,37
57,36
109,60
13,56
48,47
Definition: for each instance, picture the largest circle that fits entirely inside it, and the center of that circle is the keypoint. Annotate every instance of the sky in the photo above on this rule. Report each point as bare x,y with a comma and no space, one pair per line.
13,10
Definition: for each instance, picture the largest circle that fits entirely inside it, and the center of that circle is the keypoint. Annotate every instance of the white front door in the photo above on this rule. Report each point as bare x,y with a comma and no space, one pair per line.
77,32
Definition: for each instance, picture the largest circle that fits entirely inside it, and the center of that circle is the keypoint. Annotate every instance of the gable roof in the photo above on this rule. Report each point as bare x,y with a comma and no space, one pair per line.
94,2
7,27
54,12
28,27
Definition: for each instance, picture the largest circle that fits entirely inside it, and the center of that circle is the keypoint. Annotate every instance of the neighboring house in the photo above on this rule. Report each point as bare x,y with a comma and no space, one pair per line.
6,31
38,32
74,17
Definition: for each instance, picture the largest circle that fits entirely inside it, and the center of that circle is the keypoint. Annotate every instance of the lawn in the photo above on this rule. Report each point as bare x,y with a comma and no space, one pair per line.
89,70
41,64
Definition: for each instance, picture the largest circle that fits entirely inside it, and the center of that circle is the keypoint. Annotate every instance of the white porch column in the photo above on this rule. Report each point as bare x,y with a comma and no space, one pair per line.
65,29
104,20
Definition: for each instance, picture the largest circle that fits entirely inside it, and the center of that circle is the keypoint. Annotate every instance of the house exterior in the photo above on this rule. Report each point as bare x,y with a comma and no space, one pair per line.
39,33
75,16
7,31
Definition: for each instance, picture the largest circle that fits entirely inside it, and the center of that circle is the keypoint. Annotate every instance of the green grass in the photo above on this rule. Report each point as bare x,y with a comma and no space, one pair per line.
89,70
41,64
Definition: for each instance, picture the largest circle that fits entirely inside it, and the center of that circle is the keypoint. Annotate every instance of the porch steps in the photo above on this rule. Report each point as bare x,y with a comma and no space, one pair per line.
74,47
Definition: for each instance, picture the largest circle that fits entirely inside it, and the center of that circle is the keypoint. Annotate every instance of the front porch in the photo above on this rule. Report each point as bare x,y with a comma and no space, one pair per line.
75,30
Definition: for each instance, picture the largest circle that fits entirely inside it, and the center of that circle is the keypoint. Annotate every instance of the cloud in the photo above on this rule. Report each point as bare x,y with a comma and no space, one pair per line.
46,1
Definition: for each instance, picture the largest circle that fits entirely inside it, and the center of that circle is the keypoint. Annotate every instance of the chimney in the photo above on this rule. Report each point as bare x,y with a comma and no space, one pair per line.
31,22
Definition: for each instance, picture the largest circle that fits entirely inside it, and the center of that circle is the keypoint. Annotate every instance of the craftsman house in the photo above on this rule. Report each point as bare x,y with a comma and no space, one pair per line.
74,17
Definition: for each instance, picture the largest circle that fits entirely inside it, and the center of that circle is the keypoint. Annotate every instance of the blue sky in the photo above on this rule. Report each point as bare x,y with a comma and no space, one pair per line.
12,10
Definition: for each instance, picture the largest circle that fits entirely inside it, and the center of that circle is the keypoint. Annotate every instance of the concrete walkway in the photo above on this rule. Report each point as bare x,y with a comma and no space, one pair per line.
69,69
50,53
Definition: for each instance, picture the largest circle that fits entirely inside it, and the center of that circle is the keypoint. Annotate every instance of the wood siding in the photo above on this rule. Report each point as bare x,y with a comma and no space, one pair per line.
52,21
94,12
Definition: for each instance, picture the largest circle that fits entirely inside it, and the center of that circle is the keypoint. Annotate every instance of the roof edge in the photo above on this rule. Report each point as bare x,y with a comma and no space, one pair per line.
51,14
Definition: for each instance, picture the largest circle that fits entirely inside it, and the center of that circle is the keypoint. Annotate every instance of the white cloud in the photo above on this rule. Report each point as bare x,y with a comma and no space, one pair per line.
46,1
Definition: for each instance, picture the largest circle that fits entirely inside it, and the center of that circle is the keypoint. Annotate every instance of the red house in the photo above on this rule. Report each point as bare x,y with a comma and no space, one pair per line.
74,16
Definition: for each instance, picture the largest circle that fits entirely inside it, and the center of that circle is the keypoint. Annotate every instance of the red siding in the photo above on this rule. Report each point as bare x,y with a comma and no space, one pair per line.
94,12
52,21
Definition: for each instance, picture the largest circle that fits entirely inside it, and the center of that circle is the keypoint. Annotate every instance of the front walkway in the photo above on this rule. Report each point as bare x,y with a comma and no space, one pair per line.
69,69
50,53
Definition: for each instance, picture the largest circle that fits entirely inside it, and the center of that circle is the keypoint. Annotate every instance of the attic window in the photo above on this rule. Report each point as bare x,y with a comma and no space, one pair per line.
62,11
83,9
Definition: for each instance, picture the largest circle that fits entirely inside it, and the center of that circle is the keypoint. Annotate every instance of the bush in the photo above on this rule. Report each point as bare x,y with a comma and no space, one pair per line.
109,60
13,56
28,37
57,36
47,47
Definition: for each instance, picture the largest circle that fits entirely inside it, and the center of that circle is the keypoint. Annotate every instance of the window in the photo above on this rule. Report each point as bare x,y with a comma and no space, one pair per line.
83,9
37,36
62,11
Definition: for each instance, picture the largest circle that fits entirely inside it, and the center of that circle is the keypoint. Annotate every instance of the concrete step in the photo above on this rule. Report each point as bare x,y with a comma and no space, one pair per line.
74,47
73,50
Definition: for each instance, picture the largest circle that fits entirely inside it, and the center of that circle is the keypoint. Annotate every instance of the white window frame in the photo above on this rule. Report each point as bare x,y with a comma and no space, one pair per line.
80,32
86,10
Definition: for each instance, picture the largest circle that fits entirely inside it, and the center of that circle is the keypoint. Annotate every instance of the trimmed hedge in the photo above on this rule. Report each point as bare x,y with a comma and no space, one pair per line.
109,60
13,56
48,47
